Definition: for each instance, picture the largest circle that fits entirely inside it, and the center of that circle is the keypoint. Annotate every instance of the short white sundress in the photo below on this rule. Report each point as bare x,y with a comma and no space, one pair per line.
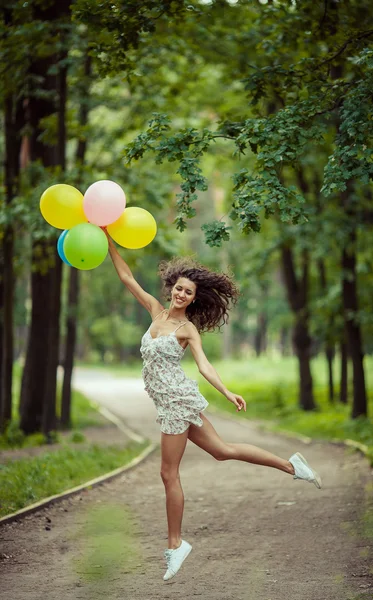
176,397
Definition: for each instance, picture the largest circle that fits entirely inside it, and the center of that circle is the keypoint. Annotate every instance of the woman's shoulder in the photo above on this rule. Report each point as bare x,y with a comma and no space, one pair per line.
157,310
190,329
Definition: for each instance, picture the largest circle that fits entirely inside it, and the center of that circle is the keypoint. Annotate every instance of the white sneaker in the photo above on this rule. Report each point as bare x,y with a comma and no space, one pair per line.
175,559
303,470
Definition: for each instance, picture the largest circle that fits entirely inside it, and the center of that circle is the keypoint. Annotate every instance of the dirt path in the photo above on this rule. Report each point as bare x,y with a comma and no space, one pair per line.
256,533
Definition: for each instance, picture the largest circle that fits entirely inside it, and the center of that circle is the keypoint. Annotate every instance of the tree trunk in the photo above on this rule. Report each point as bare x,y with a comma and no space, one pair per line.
354,340
284,345
49,405
329,353
343,392
302,346
68,363
260,338
14,122
2,421
297,293
73,293
227,346
7,329
329,348
49,420
34,377
38,397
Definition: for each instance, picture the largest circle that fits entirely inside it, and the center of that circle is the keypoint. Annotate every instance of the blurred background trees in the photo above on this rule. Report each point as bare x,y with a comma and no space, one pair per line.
249,120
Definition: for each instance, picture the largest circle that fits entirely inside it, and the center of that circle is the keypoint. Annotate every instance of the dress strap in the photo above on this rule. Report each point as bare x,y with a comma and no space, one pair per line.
162,311
178,327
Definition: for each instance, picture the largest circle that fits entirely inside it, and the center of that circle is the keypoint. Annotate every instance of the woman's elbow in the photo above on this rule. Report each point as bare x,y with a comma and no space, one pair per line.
124,277
204,369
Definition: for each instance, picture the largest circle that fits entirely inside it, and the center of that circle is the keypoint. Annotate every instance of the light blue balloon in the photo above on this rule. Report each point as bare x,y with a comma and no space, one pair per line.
60,250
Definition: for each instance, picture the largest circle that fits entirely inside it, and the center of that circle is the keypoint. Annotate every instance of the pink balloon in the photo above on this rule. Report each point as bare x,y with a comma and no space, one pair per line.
104,202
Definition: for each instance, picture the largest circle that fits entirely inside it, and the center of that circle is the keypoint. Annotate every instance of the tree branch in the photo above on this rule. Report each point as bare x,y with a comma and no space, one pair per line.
343,48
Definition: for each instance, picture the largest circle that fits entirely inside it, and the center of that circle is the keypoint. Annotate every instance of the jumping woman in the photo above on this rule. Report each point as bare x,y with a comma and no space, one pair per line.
199,301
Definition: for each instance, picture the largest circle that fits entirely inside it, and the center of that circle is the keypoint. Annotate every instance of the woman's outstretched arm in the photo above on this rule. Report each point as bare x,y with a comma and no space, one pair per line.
207,370
125,275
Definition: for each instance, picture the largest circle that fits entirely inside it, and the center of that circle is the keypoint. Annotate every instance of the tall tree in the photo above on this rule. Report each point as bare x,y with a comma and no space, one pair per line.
73,291
46,100
12,100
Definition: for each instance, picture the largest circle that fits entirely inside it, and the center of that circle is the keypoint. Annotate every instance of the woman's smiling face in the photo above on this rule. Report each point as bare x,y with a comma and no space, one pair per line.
183,292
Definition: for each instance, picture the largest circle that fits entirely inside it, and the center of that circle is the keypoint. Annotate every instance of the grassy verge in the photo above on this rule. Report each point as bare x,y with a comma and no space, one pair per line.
25,481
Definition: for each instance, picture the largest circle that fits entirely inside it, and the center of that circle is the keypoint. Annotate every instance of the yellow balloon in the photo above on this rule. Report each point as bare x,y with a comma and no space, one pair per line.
134,229
62,206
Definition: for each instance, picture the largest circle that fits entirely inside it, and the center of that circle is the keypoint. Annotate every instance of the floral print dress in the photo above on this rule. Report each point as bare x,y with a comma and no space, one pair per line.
176,397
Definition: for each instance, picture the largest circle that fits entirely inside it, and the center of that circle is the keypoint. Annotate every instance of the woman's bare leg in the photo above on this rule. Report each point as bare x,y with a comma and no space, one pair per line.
172,448
206,438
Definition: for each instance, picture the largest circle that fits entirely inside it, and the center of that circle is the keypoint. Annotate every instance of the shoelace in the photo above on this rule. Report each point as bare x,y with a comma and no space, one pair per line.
168,555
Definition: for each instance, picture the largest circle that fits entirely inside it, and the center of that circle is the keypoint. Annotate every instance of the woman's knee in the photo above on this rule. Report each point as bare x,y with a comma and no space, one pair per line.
169,476
224,452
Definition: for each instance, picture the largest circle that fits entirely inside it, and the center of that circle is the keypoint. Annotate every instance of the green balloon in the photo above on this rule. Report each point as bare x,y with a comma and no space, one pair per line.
85,246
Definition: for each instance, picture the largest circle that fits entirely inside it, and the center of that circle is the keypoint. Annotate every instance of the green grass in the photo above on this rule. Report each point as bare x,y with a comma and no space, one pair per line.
25,481
83,412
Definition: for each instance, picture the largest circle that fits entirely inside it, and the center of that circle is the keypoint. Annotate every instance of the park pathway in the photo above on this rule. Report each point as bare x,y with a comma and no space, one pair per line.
256,533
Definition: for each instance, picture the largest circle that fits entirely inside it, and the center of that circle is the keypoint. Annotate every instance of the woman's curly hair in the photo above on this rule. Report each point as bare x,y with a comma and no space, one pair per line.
215,294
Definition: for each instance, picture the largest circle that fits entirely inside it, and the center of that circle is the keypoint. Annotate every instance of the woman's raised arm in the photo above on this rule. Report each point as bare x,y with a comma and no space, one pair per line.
125,275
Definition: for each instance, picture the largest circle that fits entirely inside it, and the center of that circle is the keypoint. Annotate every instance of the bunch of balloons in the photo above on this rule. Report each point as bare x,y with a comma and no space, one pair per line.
83,244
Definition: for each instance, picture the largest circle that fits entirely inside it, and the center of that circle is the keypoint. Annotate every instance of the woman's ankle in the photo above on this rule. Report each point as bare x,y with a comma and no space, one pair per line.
290,468
173,544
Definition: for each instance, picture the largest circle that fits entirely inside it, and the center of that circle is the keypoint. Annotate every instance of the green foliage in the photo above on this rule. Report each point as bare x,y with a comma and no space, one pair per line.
77,437
112,331
186,146
215,233
114,29
291,79
13,437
